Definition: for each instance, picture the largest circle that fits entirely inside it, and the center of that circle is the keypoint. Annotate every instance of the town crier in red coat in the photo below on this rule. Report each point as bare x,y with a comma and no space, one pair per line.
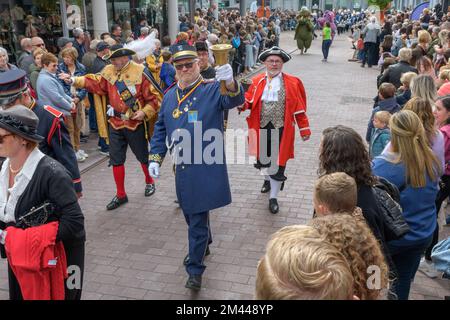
277,103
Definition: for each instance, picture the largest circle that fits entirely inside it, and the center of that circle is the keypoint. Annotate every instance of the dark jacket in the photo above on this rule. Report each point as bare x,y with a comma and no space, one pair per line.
57,141
80,70
394,72
51,182
80,48
98,65
404,97
389,105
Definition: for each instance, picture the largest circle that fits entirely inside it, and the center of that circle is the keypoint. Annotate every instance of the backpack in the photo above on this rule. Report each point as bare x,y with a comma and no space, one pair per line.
236,42
388,198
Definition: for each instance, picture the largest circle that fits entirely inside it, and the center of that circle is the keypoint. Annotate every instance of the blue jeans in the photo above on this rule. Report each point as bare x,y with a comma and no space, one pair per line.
199,233
406,259
326,48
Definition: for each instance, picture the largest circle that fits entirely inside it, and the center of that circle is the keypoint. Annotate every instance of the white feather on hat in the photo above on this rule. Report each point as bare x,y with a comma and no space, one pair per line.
143,47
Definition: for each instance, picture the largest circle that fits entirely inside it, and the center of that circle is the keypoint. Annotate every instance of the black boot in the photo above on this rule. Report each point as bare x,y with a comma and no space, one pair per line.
265,187
116,202
273,206
186,259
150,189
194,282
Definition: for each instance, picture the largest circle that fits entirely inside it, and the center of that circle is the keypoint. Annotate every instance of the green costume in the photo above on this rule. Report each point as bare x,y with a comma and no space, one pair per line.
304,30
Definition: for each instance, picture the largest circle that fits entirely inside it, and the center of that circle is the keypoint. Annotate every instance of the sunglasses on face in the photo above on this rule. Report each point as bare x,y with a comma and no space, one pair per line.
40,45
188,65
2,137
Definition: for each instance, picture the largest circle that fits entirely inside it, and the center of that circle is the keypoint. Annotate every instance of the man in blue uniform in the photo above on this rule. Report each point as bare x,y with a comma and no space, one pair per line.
14,91
190,127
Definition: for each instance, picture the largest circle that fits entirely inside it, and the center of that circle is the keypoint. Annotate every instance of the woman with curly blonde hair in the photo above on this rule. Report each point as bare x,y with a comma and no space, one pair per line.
300,265
353,238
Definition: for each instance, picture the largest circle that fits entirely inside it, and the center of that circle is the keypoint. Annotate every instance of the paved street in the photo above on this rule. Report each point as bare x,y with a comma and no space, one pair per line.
136,252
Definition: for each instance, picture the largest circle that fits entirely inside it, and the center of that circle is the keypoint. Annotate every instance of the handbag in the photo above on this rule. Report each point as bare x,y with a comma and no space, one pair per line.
37,216
388,198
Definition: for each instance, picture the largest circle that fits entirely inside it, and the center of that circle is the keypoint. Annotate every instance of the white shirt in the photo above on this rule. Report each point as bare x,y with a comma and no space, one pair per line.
270,93
21,181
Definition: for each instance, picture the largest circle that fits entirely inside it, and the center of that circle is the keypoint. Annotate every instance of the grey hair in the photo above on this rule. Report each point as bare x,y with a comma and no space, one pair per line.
77,32
5,52
145,30
405,54
423,87
212,37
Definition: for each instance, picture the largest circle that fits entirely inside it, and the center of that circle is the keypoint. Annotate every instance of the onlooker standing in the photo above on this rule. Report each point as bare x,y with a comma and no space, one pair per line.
36,43
27,48
116,33
62,44
381,135
386,102
442,116
77,119
394,72
404,92
36,67
410,164
326,41
371,33
4,61
78,43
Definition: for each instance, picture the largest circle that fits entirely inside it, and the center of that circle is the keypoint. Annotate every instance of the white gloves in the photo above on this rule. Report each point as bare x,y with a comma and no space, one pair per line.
154,169
2,236
225,73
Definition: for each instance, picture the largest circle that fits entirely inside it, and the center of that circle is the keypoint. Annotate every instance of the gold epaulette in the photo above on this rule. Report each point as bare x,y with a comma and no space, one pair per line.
131,74
156,158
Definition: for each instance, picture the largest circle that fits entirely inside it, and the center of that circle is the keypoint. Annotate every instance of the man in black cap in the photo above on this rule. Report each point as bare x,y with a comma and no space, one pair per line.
14,91
206,70
134,102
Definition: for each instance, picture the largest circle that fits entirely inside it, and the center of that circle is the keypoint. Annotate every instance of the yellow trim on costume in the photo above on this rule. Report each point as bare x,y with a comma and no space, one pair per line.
238,92
131,74
184,53
79,82
156,158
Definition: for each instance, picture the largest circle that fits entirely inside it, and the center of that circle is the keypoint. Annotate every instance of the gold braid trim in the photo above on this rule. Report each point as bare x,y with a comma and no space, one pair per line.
156,158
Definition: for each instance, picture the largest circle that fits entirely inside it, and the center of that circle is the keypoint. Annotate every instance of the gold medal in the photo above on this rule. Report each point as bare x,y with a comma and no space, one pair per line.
176,113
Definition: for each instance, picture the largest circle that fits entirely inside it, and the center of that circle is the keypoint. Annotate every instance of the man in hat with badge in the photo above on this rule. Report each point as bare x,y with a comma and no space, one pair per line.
191,111
134,102
276,100
14,91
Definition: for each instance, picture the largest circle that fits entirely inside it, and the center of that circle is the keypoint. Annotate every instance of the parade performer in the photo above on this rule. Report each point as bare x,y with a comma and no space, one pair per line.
134,101
328,16
191,109
276,101
304,30
14,91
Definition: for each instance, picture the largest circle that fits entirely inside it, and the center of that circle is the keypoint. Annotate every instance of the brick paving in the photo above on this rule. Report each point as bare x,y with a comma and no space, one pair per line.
136,252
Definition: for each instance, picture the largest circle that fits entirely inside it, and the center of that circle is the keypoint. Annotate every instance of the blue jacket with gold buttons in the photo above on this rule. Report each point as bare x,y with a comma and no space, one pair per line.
190,128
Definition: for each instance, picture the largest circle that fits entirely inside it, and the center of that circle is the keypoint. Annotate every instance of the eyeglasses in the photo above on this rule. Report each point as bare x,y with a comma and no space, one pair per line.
188,65
40,45
2,137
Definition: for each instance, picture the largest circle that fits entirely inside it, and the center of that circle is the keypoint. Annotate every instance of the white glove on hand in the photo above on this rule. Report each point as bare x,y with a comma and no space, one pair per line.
154,169
225,73
2,236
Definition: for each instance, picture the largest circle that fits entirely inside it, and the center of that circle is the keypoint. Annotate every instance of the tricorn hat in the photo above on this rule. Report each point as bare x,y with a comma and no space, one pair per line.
118,51
275,51
20,121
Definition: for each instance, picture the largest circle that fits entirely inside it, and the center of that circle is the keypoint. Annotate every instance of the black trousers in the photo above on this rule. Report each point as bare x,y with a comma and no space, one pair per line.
119,140
370,50
74,256
266,154
443,194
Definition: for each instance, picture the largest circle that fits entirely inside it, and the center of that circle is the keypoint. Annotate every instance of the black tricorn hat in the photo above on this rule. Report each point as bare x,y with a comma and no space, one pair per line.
20,121
118,51
275,51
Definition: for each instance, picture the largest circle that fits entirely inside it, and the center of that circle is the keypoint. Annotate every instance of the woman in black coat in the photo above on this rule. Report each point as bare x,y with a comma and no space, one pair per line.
33,179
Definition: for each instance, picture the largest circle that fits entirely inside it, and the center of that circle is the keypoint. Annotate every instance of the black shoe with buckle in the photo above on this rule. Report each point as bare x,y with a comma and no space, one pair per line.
186,259
150,189
266,186
116,202
194,282
273,206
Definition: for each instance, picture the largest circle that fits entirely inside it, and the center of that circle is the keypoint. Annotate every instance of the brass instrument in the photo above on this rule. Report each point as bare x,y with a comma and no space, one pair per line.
221,55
